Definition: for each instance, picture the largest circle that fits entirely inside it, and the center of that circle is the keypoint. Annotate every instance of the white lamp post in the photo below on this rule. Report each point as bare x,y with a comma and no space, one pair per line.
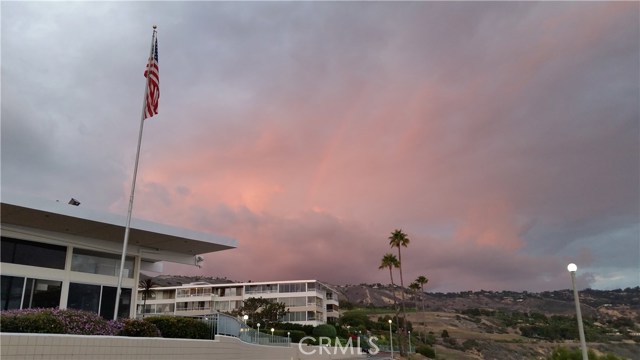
289,336
272,329
409,342
258,334
245,318
583,344
390,339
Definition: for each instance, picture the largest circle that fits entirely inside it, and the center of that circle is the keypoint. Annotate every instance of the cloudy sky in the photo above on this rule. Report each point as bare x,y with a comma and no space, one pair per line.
502,137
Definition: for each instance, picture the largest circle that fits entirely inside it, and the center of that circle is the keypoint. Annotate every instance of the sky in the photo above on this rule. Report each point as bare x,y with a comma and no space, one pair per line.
502,137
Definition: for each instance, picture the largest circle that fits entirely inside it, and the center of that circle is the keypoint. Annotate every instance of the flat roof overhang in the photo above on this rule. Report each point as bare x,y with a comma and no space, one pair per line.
59,217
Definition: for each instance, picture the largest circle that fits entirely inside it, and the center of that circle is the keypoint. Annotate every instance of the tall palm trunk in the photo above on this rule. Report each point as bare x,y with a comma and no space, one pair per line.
404,311
395,302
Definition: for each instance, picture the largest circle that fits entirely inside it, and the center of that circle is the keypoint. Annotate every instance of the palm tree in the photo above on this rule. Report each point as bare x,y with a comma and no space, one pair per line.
422,280
415,287
390,261
146,286
399,239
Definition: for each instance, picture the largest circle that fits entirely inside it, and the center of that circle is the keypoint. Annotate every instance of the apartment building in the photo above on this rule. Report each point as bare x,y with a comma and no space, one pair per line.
310,302
55,254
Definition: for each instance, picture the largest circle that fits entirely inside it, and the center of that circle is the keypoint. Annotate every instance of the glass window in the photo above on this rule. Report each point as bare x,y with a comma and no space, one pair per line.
38,293
164,308
94,262
261,289
295,316
98,299
11,292
84,297
108,302
221,305
32,253
41,293
293,301
296,287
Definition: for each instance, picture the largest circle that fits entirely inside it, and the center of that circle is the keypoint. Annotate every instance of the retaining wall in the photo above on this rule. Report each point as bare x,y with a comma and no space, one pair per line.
59,347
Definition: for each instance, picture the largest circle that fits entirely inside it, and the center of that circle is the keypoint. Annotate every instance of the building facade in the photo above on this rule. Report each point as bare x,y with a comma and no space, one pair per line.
310,302
58,255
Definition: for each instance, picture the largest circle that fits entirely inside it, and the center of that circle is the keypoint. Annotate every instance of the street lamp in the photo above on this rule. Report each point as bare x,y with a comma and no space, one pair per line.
583,344
390,339
409,342
272,329
245,318
289,336
258,334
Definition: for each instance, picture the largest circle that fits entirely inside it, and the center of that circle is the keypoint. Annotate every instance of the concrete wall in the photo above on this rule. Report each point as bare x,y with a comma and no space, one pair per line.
59,347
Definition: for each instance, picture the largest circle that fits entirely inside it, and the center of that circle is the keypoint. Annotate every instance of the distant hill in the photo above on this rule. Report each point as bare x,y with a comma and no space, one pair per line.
559,302
177,280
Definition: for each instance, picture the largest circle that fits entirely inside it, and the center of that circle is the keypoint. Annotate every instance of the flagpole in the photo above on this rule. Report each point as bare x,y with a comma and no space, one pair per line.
133,183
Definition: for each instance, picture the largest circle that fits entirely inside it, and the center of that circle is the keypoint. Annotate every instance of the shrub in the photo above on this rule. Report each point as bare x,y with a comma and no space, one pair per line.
294,335
139,328
31,321
79,322
56,321
431,338
452,343
563,353
426,350
180,327
325,330
307,329
470,344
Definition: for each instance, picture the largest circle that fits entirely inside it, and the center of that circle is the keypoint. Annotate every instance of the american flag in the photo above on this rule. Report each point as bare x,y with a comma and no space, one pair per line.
153,87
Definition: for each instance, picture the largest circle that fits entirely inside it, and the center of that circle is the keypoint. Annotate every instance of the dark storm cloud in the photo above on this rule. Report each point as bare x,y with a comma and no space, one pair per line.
502,137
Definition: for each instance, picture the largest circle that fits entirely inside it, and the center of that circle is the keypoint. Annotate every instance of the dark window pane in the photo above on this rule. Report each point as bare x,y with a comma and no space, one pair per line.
109,300
84,297
42,294
33,253
11,291
8,250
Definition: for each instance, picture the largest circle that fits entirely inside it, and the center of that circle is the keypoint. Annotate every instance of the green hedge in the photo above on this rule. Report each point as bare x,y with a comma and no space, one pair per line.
37,322
139,328
326,330
426,350
180,327
56,321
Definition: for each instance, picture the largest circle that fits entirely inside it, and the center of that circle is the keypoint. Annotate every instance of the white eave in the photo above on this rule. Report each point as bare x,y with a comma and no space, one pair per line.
60,217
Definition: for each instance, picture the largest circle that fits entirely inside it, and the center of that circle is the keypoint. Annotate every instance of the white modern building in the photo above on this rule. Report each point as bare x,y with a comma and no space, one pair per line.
310,302
59,255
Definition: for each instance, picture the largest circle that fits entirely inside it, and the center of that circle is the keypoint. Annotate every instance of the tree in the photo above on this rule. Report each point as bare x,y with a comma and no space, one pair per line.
260,309
415,287
399,240
390,261
422,280
146,286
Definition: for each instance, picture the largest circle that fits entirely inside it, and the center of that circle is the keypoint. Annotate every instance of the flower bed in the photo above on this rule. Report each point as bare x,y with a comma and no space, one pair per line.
73,322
